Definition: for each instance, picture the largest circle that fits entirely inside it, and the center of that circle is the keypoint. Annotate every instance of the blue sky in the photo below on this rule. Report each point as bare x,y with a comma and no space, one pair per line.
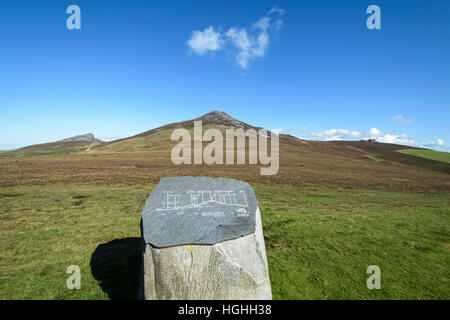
313,69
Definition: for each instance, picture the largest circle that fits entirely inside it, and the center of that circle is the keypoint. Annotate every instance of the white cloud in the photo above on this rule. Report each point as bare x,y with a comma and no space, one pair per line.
277,131
204,41
374,132
242,42
6,145
277,25
337,134
248,45
290,131
263,23
400,118
438,143
396,139
275,9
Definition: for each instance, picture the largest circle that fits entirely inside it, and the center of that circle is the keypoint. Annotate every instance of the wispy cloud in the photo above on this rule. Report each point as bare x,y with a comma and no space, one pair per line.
374,132
247,44
6,145
203,41
277,131
400,118
275,9
403,138
440,143
294,131
337,134
378,135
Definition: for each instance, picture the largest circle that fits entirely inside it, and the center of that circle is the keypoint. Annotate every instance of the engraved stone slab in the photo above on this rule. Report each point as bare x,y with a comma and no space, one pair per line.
234,269
198,210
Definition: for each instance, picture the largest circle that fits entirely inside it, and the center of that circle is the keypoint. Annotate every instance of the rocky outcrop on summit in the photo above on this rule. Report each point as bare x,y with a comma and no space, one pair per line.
69,145
218,118
88,137
223,119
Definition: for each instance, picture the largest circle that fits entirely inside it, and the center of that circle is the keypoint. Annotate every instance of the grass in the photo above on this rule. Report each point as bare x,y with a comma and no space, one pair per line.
377,160
428,154
45,149
45,230
41,152
319,241
368,155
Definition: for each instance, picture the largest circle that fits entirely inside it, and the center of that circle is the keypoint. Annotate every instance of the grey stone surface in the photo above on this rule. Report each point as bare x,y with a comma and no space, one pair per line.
88,137
198,210
232,269
223,118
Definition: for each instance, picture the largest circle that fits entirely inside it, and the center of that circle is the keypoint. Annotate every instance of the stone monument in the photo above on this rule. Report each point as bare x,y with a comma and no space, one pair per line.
202,238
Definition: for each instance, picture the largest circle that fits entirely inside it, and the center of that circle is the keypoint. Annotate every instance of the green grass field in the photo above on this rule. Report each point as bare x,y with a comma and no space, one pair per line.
41,152
428,154
319,242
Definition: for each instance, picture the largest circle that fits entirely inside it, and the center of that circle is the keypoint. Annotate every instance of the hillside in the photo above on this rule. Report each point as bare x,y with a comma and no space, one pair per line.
159,137
158,140
145,158
428,154
65,146
333,209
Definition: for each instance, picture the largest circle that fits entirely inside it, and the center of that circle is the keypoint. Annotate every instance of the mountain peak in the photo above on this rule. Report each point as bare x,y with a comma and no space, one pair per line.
222,118
88,137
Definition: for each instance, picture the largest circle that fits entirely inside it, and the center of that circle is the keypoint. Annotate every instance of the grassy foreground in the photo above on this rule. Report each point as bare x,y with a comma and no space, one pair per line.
319,242
428,154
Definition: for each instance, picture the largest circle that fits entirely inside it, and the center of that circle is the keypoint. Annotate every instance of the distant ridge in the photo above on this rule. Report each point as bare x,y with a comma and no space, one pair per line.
158,142
65,146
88,137
219,118
147,157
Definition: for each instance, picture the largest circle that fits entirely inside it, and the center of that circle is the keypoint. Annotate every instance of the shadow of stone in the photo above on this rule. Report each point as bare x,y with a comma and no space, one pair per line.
116,266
